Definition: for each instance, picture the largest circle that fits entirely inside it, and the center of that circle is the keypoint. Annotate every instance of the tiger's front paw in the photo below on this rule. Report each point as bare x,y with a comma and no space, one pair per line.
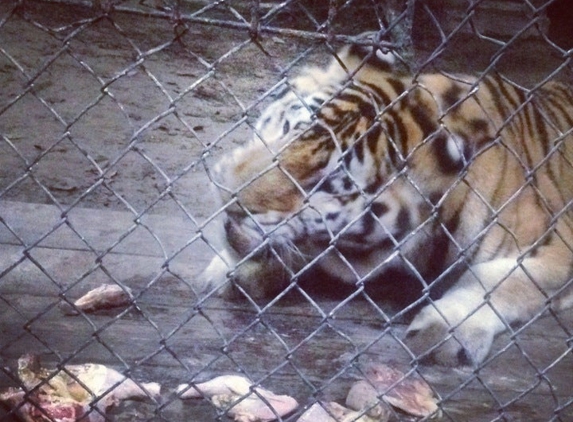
255,279
450,337
214,277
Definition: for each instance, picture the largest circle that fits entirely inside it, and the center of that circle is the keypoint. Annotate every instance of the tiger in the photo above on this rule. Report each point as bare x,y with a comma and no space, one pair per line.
358,167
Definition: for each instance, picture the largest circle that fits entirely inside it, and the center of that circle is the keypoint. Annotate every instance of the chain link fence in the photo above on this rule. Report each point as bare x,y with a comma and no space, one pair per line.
113,115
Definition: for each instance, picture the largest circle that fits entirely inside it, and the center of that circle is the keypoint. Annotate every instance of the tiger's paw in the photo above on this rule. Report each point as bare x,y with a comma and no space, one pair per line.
253,279
214,277
451,338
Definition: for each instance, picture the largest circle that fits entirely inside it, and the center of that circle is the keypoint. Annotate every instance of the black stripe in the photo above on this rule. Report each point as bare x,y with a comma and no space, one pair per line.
325,145
522,116
350,96
528,129
560,106
368,224
434,197
420,115
400,129
373,187
492,86
539,129
314,133
440,247
347,158
382,95
552,173
503,89
429,128
452,95
479,125
540,134
332,122
373,137
453,223
397,133
562,90
404,220
480,137
397,85
359,150
504,168
547,239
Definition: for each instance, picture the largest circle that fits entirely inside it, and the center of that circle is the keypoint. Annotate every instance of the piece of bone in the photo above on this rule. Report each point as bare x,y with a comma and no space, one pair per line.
45,408
103,297
410,394
364,397
316,413
66,395
99,378
224,384
241,399
334,412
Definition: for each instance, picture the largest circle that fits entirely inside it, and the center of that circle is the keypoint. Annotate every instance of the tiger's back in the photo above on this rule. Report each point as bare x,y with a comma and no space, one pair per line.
512,161
358,170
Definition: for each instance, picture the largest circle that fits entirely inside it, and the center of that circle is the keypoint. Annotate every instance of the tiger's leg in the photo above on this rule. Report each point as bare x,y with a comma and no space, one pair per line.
234,278
215,276
488,299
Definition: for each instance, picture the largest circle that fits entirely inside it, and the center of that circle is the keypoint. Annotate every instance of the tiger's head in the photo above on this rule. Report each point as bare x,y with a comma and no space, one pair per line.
345,168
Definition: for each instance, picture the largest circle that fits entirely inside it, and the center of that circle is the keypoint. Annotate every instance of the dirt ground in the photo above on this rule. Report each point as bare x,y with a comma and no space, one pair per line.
126,111
118,114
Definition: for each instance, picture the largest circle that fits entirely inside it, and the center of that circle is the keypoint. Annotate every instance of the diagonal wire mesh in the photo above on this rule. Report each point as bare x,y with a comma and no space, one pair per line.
113,117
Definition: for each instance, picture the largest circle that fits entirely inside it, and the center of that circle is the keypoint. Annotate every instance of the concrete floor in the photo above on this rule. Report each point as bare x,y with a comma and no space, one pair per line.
307,348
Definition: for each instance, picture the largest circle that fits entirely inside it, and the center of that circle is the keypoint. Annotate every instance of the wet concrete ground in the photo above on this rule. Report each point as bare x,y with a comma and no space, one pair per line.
304,346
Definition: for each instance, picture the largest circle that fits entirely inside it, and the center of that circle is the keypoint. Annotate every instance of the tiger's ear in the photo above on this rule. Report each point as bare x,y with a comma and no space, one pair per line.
353,58
368,52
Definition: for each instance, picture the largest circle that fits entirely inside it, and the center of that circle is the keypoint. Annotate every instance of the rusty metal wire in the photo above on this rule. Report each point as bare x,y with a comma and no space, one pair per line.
113,115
